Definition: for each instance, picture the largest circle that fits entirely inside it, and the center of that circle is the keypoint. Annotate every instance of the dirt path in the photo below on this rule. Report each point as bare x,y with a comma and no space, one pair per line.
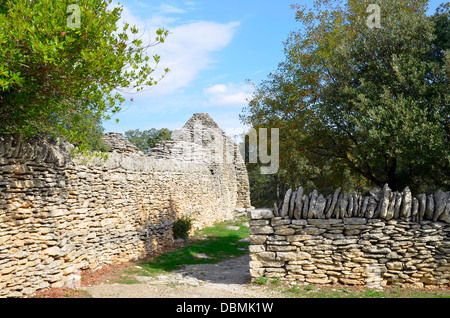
228,279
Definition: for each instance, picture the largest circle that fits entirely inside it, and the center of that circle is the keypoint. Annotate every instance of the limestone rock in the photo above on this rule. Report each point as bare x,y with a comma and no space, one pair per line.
320,207
312,203
292,204
275,210
117,142
299,199
439,204
371,208
422,205
399,203
406,203
331,209
415,209
305,208
391,207
342,206
384,202
429,211
364,205
286,201
445,216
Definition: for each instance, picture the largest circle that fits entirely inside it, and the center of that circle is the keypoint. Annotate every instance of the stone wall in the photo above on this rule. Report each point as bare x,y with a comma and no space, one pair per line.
61,214
378,244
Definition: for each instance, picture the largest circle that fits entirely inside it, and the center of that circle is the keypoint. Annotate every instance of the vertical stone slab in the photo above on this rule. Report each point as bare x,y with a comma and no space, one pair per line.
391,207
445,216
343,202
286,201
312,204
429,211
371,207
299,199
305,208
320,207
398,203
414,209
331,209
406,203
292,204
422,205
439,204
384,202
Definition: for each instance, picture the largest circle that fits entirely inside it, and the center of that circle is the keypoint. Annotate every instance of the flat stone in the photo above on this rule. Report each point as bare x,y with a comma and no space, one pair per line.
324,221
261,230
260,214
355,220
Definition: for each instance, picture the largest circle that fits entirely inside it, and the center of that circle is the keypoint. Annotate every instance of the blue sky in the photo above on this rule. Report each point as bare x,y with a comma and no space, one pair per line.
213,48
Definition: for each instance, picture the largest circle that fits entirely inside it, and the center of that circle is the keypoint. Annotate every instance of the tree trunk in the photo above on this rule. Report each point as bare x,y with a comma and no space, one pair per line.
391,174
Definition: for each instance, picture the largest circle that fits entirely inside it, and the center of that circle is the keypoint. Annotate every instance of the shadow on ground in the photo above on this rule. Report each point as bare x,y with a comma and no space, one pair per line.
231,271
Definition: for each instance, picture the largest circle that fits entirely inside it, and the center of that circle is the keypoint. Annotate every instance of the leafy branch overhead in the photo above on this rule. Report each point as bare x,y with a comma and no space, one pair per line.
353,101
53,75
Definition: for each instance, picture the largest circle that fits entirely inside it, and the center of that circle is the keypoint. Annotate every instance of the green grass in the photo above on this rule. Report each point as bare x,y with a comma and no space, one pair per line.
219,243
341,291
209,246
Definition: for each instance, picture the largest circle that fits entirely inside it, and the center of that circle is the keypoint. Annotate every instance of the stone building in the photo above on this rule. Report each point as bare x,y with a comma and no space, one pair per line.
61,214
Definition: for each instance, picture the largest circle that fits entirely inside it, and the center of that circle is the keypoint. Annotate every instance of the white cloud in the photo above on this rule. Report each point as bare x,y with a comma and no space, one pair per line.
216,89
187,51
166,8
230,94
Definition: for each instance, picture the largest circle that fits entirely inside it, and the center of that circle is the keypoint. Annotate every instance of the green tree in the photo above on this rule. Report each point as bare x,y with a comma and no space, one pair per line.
355,101
62,66
145,140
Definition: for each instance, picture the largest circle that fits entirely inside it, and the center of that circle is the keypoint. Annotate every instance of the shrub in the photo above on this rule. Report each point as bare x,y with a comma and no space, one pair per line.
181,227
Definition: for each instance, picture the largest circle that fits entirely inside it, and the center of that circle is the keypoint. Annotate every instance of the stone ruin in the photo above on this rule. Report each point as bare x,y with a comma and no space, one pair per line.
60,214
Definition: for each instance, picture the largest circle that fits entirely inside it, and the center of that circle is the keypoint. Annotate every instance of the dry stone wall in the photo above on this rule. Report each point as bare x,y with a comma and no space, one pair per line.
376,241
61,214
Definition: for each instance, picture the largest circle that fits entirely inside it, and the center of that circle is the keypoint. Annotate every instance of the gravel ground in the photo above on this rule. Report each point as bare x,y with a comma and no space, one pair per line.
228,279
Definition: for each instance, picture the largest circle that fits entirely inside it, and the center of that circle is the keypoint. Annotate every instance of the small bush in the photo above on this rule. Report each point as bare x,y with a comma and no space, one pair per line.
181,227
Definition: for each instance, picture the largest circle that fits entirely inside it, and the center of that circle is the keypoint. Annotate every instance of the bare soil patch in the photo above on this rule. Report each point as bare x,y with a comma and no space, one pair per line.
228,279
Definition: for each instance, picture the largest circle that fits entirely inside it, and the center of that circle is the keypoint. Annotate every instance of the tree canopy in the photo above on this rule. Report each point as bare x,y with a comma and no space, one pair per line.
358,105
62,66
145,140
